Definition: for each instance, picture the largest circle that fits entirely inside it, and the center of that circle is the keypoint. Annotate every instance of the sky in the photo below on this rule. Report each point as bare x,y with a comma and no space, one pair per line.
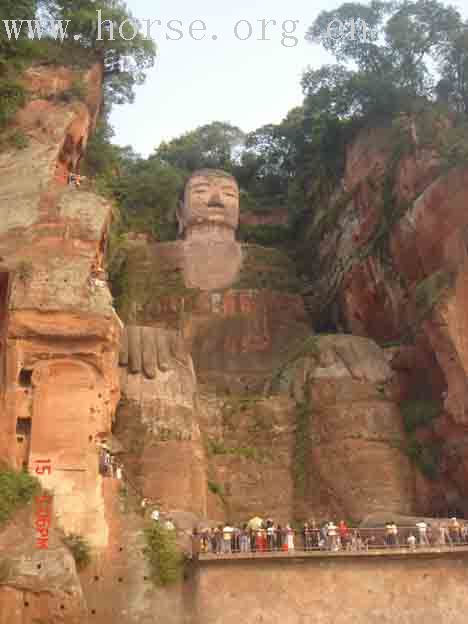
247,83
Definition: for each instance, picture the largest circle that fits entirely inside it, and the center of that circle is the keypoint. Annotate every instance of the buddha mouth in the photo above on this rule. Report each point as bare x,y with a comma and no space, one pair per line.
216,206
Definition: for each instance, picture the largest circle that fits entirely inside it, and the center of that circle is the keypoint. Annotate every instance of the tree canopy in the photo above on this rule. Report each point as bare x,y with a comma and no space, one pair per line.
210,146
409,46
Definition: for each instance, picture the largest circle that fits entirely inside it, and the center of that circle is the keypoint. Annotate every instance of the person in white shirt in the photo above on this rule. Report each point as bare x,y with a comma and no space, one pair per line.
333,536
155,515
411,542
227,537
422,529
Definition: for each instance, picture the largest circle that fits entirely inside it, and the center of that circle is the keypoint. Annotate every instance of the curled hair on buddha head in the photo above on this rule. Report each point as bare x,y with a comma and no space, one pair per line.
213,173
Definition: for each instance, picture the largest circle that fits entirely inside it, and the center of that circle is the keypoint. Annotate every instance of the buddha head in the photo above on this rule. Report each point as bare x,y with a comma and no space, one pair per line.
211,199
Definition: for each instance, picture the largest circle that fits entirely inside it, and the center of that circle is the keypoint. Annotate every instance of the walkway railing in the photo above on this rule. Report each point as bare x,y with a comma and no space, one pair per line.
258,543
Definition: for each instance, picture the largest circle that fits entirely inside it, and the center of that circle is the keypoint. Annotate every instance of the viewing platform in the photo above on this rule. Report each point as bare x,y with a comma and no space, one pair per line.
297,555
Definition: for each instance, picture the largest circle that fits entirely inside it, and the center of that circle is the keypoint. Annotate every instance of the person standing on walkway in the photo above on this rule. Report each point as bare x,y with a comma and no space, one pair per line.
244,539
290,538
306,536
422,532
196,545
270,536
344,534
333,536
227,536
279,537
218,540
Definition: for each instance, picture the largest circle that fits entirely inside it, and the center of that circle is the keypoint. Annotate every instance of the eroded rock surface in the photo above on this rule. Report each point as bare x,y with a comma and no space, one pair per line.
60,332
391,264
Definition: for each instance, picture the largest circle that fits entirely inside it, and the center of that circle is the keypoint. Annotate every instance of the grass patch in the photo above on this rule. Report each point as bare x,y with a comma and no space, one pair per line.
308,347
266,235
163,555
12,97
6,569
431,290
216,488
16,489
302,444
419,413
217,447
79,548
427,457
25,271
267,267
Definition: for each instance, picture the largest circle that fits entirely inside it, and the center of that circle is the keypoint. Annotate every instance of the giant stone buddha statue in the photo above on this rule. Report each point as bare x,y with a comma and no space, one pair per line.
208,219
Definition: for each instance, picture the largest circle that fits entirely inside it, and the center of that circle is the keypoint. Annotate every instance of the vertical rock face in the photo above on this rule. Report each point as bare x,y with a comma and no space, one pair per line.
60,333
345,405
38,585
393,262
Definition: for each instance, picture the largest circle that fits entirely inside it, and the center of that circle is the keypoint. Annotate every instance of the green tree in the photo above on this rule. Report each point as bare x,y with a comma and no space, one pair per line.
11,48
147,191
211,146
453,63
392,66
131,55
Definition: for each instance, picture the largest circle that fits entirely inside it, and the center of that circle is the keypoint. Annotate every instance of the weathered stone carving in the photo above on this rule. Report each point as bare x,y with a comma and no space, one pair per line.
158,416
211,198
208,220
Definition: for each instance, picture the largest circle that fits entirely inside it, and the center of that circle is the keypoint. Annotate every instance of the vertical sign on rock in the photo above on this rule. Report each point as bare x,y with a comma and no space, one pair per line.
43,502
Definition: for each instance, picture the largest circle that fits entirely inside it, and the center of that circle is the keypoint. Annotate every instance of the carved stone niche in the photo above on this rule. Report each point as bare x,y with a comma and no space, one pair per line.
59,394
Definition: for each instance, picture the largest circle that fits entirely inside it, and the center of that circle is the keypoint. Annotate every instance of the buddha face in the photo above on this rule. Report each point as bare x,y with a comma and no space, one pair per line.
210,197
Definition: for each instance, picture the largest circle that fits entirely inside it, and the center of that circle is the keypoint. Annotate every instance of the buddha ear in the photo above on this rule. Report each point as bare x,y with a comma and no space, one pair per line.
179,212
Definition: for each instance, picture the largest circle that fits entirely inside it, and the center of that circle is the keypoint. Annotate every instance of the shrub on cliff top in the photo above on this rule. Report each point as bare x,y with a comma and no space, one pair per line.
16,489
163,555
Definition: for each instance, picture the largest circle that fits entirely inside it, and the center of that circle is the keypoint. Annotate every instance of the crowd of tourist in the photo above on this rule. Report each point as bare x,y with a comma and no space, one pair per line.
267,536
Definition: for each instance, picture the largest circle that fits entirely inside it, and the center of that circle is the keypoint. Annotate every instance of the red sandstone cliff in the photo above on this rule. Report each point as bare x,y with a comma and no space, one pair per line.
199,434
59,331
390,262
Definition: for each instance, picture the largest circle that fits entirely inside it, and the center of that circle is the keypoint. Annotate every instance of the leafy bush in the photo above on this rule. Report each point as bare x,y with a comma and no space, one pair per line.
430,291
215,488
265,235
16,489
426,457
80,549
77,91
163,555
18,139
25,270
302,443
12,97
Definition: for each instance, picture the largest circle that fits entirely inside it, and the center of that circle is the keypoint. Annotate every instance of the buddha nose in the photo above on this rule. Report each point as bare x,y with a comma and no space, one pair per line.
215,199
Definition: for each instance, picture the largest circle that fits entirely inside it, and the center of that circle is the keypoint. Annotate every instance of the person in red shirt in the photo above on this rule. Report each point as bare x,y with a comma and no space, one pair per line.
344,534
